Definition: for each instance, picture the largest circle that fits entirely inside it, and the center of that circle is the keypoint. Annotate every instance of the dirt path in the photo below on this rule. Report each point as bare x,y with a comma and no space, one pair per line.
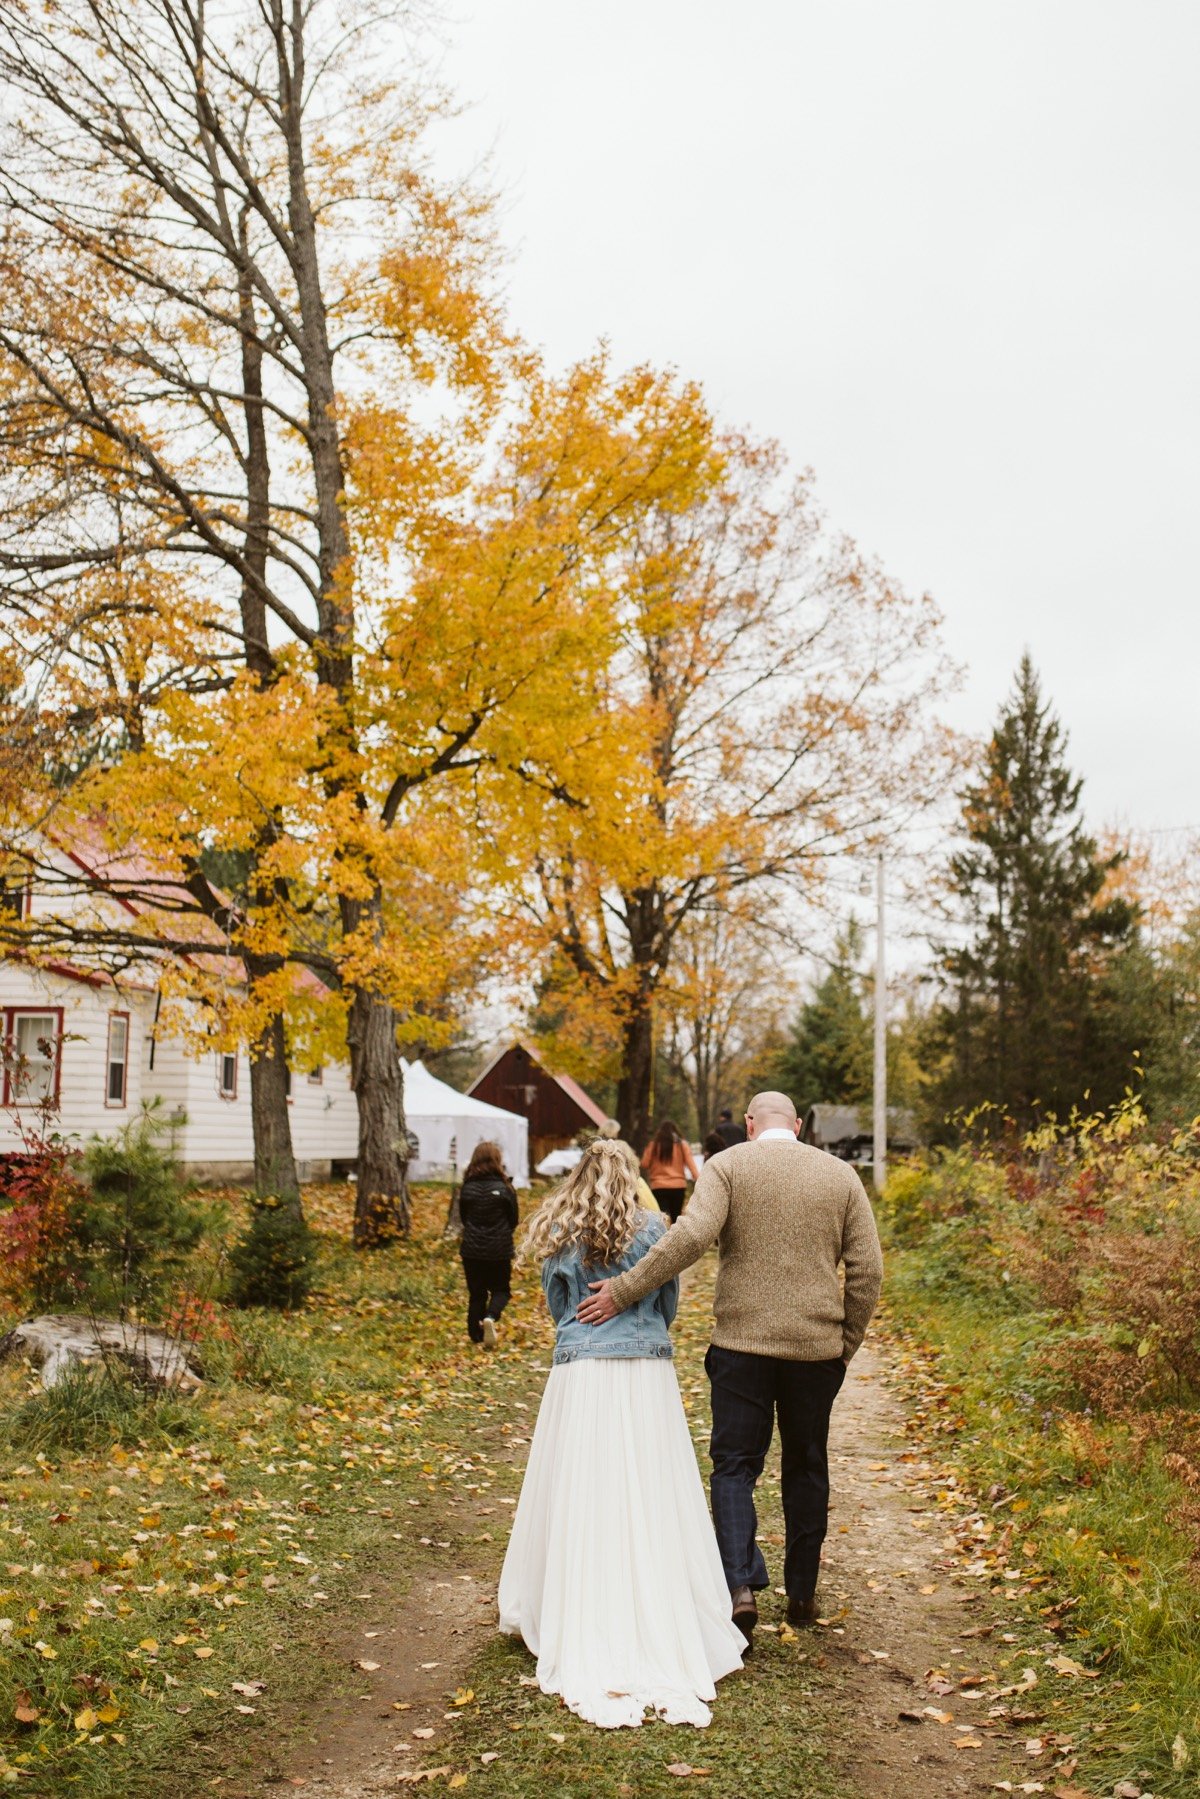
908,1656
910,1643
420,1642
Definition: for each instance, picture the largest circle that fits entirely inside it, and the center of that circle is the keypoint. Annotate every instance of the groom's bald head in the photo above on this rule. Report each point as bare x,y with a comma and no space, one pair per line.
770,1112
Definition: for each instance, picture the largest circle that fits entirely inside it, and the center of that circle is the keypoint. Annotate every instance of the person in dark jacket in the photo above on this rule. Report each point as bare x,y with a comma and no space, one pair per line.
488,1208
729,1132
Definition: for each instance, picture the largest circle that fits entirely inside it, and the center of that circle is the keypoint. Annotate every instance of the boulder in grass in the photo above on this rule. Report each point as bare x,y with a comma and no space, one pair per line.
57,1339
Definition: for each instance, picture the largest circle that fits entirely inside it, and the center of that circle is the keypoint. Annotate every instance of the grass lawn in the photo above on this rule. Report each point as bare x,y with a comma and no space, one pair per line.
165,1591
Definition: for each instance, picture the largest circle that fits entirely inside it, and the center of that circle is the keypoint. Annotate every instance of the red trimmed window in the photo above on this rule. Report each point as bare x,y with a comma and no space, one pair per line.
16,892
116,1076
33,1065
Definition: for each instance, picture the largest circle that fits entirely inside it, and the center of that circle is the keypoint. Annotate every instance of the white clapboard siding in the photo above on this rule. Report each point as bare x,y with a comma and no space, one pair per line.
218,1135
83,1071
324,1116
211,1135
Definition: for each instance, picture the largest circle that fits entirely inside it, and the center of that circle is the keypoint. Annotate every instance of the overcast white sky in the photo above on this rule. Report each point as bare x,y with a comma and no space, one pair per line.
948,252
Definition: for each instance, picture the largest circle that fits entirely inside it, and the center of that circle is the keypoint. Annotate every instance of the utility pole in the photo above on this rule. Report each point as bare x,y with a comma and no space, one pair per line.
880,1160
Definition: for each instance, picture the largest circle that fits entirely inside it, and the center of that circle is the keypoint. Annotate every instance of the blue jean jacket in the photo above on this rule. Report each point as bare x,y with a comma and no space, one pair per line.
640,1331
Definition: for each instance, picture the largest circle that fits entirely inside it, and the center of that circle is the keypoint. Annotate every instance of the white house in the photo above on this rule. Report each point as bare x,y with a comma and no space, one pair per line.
94,1044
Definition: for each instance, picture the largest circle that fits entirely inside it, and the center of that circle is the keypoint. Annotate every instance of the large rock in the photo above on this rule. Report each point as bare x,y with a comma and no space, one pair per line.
57,1339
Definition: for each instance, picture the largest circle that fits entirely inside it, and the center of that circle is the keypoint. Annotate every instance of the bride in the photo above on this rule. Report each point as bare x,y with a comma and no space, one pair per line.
612,1575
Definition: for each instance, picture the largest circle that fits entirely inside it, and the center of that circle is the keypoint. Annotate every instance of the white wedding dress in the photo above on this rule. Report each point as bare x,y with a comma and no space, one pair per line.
612,1575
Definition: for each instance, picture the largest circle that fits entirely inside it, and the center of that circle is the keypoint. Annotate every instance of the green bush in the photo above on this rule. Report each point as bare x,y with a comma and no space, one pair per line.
922,1194
139,1223
272,1264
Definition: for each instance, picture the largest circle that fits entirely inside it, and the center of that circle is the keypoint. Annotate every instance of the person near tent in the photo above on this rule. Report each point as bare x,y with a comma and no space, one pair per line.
610,1132
488,1207
667,1162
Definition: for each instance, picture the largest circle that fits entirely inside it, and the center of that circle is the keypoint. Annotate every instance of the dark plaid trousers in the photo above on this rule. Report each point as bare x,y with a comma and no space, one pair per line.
747,1392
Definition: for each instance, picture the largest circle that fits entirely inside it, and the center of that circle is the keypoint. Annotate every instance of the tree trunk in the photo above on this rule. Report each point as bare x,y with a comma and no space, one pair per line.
274,1159
381,1209
381,1206
637,1064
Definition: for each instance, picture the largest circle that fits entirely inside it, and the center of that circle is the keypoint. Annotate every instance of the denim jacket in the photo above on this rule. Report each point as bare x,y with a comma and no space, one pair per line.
640,1331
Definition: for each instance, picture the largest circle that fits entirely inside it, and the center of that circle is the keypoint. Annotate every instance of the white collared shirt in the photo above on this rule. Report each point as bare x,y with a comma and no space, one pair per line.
776,1130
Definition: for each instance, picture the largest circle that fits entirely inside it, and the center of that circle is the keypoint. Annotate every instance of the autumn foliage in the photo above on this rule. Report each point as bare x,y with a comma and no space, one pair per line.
42,1206
1094,1225
377,662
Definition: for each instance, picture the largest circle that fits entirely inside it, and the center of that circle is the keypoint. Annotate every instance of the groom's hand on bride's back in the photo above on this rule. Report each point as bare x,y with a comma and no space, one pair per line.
599,1308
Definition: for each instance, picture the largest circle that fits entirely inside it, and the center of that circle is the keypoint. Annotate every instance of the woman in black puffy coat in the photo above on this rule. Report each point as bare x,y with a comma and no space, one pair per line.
488,1208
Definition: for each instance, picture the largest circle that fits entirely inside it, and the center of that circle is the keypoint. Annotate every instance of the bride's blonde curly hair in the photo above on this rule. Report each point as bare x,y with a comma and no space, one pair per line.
595,1209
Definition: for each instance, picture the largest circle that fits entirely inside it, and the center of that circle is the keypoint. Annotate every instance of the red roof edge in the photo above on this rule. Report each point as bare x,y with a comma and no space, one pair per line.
583,1100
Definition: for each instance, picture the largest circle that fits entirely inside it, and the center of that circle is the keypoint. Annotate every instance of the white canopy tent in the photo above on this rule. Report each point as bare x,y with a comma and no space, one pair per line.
448,1124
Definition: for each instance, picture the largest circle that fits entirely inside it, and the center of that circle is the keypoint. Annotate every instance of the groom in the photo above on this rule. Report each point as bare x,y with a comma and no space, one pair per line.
785,1215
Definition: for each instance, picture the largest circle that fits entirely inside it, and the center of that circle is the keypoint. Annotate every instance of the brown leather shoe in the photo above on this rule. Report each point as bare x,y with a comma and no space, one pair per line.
745,1614
802,1612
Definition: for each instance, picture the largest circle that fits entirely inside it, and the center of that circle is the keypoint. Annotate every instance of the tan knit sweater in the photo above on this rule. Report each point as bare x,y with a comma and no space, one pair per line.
784,1216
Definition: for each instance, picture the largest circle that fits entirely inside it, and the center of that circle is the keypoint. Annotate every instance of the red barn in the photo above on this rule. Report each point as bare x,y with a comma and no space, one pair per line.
555,1105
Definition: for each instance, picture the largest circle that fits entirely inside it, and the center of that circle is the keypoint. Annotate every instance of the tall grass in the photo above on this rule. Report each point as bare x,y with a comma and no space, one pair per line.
1049,1287
92,1407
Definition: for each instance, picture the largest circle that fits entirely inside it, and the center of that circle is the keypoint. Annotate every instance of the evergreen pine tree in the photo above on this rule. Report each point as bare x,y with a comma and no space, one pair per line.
140,1222
828,1055
1028,1029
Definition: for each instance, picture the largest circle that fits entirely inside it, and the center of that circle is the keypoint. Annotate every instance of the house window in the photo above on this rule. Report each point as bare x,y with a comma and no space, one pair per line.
227,1072
116,1082
316,1076
287,1082
32,1065
15,894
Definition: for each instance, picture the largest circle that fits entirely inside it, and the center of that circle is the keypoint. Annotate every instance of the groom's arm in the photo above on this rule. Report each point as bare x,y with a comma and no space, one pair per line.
686,1241
863,1260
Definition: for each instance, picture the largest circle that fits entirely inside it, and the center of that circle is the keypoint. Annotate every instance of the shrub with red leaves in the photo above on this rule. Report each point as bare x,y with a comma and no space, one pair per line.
42,1203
